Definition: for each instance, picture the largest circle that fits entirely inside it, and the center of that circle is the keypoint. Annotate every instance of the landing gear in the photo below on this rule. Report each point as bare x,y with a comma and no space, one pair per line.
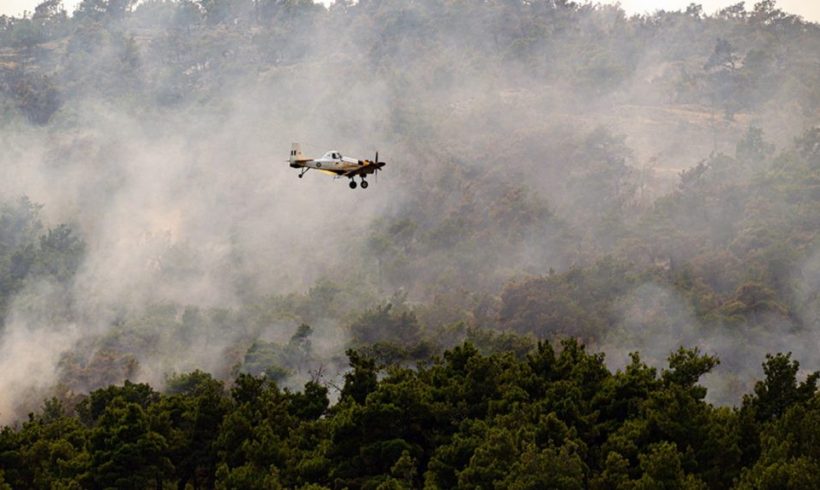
353,184
303,172
364,184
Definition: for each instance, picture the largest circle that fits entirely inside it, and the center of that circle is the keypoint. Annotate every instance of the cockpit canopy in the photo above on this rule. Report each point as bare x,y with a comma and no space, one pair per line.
332,155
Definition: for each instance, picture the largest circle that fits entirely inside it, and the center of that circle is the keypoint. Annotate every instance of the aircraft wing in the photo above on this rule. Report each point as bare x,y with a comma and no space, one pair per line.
330,172
368,168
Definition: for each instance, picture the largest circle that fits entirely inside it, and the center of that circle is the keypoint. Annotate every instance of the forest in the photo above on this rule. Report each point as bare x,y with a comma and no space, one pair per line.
592,260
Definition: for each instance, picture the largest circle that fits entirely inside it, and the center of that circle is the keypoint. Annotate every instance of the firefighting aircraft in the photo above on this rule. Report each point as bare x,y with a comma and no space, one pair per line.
333,163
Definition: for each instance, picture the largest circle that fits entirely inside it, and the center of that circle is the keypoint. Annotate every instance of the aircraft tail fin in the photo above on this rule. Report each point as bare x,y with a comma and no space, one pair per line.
296,154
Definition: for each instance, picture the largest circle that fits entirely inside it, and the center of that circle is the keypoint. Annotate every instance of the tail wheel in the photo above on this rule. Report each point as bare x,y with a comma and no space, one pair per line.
353,184
364,184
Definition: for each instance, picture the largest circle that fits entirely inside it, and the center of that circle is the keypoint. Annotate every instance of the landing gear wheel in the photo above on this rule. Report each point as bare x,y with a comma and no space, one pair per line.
300,176
353,184
364,184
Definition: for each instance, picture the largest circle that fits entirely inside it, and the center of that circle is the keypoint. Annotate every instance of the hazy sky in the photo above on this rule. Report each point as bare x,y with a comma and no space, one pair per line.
809,9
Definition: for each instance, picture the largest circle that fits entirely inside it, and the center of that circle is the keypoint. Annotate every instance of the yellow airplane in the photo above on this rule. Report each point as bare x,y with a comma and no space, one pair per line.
333,163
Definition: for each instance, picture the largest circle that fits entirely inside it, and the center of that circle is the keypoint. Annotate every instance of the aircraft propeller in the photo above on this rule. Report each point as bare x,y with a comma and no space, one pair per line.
376,162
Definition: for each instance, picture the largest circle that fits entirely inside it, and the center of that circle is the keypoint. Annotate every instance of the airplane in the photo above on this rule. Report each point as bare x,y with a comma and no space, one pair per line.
333,163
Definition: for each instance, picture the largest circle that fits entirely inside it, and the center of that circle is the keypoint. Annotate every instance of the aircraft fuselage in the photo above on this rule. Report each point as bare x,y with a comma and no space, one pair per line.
334,163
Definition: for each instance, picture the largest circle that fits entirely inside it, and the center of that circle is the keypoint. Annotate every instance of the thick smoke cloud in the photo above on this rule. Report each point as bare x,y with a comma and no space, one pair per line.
168,155
189,207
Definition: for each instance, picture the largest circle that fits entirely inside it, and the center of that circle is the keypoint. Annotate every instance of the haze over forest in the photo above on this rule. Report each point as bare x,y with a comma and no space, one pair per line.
557,172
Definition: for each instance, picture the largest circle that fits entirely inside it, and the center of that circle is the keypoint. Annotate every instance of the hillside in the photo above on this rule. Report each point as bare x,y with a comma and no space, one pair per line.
591,233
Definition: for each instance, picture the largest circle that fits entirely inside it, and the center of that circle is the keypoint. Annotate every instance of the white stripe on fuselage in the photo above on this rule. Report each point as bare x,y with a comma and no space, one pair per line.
344,164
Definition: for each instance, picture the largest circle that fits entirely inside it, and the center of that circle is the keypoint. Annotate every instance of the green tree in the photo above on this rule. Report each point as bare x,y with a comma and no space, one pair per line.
125,452
780,389
752,148
92,407
662,469
196,404
789,456
60,254
100,10
549,468
386,325
361,380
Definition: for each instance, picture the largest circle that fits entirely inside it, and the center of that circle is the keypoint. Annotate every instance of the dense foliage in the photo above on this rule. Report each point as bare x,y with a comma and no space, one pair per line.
547,419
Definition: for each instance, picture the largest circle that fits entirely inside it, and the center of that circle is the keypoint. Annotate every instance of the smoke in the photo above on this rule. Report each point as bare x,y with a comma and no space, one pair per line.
655,321
34,337
189,207
504,157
